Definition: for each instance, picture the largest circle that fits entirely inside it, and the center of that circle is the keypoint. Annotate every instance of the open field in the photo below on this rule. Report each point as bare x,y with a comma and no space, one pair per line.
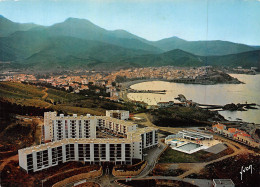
19,90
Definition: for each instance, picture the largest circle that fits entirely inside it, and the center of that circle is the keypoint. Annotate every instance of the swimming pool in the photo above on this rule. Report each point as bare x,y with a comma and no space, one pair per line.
189,146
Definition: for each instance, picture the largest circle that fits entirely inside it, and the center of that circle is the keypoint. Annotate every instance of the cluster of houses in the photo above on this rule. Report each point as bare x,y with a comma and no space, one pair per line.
71,83
165,72
235,134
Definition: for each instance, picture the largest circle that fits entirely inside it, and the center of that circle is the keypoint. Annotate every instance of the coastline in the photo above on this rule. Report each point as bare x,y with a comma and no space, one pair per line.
128,84
226,94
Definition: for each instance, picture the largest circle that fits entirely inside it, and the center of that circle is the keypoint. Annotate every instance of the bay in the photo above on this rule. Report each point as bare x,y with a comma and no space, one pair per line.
219,94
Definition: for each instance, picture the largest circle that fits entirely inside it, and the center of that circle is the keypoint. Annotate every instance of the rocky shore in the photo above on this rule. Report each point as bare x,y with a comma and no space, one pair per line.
239,107
210,79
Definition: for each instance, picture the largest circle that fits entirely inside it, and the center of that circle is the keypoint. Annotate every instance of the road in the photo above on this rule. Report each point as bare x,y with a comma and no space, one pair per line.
7,160
45,96
45,93
151,158
197,182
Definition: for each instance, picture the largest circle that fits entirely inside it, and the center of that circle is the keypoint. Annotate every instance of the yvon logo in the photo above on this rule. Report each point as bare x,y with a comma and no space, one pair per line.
245,169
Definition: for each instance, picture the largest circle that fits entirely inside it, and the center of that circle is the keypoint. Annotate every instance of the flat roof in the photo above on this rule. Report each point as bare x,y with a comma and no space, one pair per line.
74,117
117,111
137,134
42,147
224,181
144,130
119,121
195,134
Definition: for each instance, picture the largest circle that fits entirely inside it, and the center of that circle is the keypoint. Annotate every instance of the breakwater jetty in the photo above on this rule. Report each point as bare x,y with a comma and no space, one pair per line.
146,91
231,107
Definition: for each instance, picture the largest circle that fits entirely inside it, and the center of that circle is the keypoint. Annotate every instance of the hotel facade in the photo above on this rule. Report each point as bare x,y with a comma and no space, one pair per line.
73,138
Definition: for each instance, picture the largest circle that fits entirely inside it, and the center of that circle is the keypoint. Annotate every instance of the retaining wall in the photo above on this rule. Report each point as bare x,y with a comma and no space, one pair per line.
81,176
128,173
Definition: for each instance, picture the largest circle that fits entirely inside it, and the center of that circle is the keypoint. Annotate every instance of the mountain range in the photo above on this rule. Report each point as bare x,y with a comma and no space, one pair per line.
78,43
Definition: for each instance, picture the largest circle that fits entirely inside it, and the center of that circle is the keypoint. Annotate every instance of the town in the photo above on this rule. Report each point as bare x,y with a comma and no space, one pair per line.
111,82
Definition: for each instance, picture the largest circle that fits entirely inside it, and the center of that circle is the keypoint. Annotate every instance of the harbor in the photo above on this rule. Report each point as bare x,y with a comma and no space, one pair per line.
212,97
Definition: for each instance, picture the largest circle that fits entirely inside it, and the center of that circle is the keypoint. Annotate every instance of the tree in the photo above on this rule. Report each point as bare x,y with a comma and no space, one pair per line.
120,79
113,83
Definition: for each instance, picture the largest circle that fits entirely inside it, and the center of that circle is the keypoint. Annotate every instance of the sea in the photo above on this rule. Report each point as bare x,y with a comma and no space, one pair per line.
218,94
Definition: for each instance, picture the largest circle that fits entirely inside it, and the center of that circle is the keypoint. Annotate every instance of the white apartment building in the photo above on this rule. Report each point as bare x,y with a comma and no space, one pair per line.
93,151
119,114
61,127
48,128
115,126
74,139
74,127
148,136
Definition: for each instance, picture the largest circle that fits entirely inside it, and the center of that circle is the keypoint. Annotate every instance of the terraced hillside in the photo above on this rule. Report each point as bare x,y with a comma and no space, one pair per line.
48,98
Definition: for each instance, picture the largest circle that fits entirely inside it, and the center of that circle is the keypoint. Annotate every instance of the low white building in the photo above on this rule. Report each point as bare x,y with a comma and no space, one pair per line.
194,135
119,114
223,183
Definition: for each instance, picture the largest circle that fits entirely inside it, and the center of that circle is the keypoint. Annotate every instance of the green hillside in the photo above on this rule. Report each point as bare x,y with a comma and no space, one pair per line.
184,59
8,27
203,48
29,95
246,60
48,98
40,50
174,58
21,45
78,43
181,58
84,29
18,91
71,53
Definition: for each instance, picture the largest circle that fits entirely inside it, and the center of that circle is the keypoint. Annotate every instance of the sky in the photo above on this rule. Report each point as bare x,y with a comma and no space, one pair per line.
230,20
